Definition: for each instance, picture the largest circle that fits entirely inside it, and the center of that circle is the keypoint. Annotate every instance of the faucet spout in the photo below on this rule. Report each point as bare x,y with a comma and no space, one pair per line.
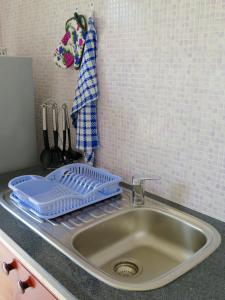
138,192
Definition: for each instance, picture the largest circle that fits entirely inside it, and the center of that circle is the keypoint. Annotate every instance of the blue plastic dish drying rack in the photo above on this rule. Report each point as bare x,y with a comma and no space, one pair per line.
63,190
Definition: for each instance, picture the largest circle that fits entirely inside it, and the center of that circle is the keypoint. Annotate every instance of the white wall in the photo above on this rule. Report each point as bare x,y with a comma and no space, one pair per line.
161,68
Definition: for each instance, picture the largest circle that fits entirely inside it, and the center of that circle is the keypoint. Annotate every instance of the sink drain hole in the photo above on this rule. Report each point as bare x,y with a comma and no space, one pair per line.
126,268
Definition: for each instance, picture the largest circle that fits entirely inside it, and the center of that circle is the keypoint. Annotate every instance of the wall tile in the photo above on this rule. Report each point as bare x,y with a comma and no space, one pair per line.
161,69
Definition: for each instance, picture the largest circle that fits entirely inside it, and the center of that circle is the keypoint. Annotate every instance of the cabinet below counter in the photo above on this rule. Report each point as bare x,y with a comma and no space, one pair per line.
22,278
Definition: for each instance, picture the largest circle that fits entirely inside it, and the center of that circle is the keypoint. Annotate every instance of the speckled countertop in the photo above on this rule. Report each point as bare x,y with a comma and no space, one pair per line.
204,282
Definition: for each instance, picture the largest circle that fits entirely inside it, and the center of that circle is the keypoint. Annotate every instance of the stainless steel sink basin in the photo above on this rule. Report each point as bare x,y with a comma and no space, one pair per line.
128,248
152,240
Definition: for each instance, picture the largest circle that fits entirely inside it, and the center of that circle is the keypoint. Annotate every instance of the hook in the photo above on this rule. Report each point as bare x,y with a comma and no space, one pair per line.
48,102
91,5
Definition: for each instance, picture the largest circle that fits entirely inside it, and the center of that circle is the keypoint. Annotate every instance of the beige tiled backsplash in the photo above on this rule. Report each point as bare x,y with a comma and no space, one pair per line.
161,70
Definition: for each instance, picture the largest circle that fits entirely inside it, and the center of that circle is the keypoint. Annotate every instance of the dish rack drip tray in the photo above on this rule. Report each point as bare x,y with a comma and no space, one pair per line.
66,189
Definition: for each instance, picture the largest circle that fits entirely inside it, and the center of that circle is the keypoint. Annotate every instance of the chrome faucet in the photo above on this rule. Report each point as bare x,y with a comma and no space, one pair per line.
138,189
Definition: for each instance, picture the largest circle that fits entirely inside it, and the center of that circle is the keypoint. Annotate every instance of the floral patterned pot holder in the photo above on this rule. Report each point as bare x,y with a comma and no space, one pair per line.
70,50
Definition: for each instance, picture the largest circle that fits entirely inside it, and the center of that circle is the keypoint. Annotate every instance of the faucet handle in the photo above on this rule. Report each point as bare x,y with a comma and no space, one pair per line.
140,180
138,189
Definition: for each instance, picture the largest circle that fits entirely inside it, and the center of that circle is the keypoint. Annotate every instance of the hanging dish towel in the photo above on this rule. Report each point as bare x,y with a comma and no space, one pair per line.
84,113
70,50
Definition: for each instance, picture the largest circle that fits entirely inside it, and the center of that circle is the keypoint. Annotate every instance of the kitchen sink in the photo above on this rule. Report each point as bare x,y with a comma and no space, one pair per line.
148,241
128,248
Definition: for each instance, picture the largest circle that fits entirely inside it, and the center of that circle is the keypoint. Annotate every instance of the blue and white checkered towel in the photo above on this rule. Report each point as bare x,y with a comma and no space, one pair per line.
84,114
